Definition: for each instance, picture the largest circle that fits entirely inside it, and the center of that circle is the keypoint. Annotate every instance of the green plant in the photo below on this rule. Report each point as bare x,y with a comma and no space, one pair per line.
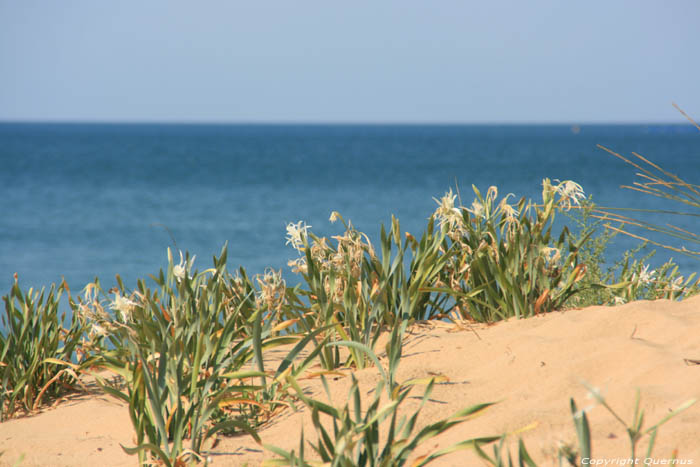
635,430
503,259
629,278
411,287
593,253
356,437
191,354
181,352
37,353
499,455
640,283
568,455
583,433
359,292
332,275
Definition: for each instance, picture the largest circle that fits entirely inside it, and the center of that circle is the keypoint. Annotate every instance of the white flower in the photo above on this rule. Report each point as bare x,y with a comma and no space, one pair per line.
551,255
272,288
447,213
508,210
179,272
181,269
677,284
620,301
334,216
570,193
298,265
296,234
645,276
477,209
123,305
98,330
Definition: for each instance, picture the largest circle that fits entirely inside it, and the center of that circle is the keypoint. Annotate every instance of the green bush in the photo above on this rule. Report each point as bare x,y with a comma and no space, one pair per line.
37,353
629,278
182,355
503,259
357,292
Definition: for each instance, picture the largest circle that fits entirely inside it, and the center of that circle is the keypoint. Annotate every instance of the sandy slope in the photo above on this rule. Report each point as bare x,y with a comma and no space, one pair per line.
531,367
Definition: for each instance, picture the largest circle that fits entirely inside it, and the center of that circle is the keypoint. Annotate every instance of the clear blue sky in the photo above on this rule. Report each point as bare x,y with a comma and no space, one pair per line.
361,61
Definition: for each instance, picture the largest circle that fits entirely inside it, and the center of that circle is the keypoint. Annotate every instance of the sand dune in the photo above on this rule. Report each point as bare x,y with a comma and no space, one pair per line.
530,367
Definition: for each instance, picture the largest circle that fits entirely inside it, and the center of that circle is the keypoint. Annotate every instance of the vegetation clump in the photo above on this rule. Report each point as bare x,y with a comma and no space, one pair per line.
36,350
503,259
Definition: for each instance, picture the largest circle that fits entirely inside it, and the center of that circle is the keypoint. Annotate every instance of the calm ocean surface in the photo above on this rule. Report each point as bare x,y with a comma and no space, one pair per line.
94,200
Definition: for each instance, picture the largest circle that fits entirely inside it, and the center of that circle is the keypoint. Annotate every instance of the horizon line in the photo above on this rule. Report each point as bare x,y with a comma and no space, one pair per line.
337,122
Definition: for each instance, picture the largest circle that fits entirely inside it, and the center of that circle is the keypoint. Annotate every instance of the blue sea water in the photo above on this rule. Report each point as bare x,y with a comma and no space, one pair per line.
94,200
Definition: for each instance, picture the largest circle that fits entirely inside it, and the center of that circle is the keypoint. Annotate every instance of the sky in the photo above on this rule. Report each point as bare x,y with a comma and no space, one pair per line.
321,61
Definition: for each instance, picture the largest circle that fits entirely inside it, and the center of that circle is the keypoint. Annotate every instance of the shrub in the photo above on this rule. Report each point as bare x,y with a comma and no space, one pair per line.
357,292
181,352
629,278
503,259
37,353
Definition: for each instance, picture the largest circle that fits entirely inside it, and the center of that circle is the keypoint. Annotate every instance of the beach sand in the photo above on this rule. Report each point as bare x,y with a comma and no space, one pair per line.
530,367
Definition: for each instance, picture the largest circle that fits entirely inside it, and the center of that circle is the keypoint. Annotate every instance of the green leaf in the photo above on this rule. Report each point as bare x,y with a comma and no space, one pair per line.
148,447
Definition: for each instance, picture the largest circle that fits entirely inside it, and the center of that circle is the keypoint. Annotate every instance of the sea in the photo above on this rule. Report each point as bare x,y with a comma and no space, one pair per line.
86,201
